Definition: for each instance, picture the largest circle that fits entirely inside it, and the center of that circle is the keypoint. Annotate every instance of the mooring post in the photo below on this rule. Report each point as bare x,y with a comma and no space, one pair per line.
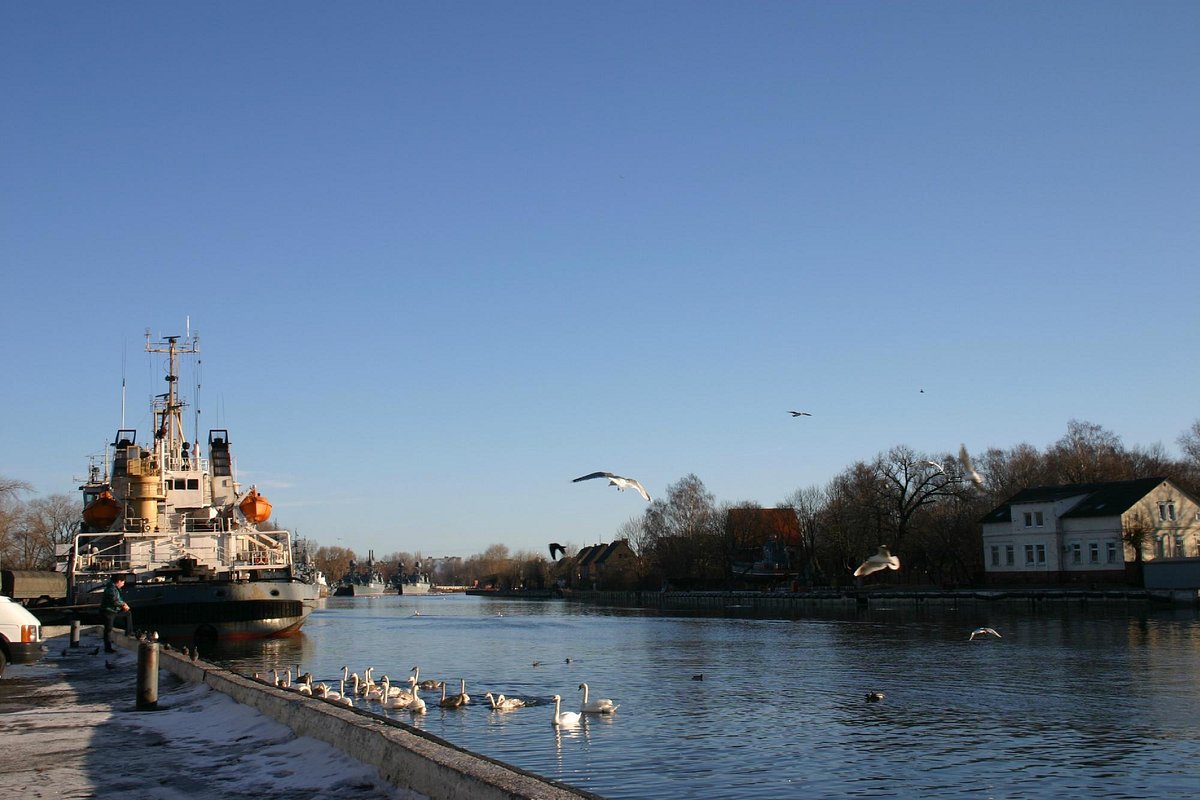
147,677
74,633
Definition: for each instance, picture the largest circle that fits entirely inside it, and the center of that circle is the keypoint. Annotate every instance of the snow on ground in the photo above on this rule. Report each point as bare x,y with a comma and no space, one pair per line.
69,729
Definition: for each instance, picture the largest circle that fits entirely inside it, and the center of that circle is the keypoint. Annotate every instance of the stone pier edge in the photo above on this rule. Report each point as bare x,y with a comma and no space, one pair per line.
406,757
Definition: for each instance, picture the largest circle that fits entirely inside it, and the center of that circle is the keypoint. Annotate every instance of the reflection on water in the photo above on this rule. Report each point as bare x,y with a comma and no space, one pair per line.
1098,702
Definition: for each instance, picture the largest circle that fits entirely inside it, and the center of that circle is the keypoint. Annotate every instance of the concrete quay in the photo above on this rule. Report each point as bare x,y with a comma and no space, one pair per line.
70,729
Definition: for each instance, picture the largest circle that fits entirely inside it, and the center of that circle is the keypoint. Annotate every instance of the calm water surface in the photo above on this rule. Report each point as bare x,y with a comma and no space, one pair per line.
1072,702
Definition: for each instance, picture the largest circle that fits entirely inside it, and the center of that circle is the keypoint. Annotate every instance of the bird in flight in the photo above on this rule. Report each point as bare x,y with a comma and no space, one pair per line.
937,466
975,477
800,413
881,560
555,546
985,632
617,481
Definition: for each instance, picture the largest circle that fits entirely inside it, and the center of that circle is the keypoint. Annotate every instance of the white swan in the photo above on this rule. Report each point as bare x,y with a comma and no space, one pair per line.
416,705
389,700
564,717
462,691
503,703
604,706
306,686
332,696
388,689
369,685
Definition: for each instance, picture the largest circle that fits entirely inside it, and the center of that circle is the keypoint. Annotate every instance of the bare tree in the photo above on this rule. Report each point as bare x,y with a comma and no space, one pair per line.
10,515
907,483
334,561
1086,454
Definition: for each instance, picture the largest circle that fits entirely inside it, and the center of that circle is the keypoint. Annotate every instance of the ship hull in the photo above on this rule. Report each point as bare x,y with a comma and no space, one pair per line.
218,611
359,590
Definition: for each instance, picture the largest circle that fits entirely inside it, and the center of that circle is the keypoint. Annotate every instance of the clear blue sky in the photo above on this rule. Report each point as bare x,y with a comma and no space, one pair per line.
445,257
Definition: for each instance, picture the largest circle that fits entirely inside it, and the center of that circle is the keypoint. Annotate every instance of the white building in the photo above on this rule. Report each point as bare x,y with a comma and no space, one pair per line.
1088,532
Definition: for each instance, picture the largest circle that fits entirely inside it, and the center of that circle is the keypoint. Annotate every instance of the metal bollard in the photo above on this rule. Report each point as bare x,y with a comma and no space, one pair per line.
74,633
147,677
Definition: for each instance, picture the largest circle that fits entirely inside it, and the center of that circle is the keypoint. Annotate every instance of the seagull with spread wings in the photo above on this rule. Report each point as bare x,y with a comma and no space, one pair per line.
985,632
617,481
881,560
800,413
975,477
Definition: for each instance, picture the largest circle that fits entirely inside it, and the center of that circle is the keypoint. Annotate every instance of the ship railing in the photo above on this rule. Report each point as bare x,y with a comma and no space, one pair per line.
258,557
215,525
91,558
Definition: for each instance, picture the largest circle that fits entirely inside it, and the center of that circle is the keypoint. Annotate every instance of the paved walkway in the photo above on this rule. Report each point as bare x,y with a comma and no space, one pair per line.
69,729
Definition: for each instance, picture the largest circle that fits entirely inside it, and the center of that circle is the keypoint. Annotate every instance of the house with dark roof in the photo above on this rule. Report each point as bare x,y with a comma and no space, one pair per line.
1088,532
608,566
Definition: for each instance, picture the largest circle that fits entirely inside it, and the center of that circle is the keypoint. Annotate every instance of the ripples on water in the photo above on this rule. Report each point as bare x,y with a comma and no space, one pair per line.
1070,703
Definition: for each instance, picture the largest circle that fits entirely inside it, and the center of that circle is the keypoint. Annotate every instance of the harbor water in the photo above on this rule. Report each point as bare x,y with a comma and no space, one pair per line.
1071,702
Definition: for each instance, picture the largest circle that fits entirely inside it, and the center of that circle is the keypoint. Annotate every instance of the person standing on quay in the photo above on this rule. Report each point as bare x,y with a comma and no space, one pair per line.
110,606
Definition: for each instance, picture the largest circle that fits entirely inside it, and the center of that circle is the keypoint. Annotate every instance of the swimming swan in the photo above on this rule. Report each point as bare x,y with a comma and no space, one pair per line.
503,703
565,717
604,706
416,705
451,701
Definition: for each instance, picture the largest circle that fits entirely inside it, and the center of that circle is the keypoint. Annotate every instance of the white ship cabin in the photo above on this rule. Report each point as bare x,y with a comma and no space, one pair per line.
172,511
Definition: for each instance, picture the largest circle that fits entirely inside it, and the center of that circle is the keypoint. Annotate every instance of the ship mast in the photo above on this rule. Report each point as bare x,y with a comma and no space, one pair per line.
168,407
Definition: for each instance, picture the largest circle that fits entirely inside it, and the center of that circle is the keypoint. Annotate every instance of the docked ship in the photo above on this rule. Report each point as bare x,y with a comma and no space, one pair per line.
356,583
201,564
412,583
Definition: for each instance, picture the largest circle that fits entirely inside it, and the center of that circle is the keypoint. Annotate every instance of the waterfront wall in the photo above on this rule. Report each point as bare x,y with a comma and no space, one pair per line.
801,602
405,757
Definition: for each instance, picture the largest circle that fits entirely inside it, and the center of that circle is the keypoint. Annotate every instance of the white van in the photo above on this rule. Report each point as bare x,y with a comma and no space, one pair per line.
20,634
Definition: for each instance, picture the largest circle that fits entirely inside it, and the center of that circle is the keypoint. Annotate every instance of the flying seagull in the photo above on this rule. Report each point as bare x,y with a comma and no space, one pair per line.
555,546
975,477
985,632
881,560
937,466
617,481
800,413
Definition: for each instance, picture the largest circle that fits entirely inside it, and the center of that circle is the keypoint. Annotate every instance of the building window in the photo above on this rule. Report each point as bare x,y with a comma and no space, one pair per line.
1076,554
1093,552
995,555
1029,517
1111,547
1009,555
1166,511
1038,519
1029,555
1041,554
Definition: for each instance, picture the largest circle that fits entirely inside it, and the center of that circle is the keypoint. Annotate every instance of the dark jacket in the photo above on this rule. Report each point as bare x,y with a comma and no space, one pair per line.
112,603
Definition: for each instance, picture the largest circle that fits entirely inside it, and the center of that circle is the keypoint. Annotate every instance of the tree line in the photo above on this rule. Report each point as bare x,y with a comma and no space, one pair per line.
924,506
